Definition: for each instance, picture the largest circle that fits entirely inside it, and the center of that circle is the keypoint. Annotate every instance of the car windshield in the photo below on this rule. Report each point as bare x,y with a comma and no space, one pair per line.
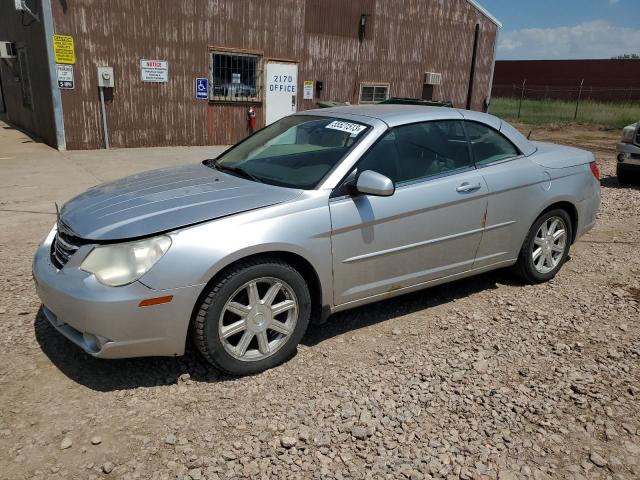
296,152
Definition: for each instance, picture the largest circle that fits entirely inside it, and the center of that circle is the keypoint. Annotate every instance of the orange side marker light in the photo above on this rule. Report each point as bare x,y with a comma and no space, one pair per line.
155,301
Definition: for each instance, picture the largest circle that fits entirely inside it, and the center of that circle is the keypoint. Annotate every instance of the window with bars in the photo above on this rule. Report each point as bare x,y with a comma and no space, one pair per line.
373,93
235,77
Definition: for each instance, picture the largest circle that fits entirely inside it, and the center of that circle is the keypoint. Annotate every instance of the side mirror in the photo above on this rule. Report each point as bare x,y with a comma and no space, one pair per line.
374,183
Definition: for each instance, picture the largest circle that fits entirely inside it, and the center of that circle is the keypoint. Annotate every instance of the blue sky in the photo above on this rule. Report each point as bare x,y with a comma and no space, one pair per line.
547,29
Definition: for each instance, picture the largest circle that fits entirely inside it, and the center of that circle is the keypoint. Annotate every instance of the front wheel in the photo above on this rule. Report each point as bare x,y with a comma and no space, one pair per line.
253,317
546,247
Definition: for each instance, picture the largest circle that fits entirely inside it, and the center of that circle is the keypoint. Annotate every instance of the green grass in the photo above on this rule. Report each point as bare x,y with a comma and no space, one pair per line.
611,115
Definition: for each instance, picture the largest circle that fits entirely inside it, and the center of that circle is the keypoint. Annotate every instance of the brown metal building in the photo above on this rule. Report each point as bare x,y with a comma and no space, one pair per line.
607,80
252,52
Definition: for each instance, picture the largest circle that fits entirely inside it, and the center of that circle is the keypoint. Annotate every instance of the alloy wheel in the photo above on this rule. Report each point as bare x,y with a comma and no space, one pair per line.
258,319
549,245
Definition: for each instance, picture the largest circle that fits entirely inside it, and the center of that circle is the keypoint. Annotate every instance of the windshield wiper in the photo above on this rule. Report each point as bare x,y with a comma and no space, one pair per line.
236,170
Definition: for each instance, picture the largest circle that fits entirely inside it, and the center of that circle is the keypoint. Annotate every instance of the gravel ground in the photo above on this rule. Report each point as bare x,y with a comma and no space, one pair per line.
483,378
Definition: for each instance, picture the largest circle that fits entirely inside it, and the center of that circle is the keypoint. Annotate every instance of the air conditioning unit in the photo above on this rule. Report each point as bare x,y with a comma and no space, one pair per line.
431,78
7,50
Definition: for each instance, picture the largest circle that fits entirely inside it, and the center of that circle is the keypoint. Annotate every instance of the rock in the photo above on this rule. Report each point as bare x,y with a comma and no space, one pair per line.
507,475
288,442
481,366
96,440
323,440
614,354
629,428
304,433
107,467
251,469
597,459
170,439
66,443
396,331
348,412
227,455
195,474
632,448
359,432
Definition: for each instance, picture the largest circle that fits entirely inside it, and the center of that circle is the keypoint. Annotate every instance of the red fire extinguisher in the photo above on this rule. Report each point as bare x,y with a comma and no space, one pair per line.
251,119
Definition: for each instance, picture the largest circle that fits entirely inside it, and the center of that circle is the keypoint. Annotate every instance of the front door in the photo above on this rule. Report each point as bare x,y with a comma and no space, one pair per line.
429,228
281,90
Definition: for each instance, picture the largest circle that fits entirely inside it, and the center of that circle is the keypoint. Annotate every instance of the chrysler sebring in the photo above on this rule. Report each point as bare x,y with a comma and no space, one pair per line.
319,212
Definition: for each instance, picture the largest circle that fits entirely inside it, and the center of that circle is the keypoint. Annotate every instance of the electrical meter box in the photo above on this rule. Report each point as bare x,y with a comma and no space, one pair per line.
105,77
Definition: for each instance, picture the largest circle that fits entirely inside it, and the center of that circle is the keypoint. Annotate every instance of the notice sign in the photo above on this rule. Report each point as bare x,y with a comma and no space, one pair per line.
65,77
308,90
64,49
156,71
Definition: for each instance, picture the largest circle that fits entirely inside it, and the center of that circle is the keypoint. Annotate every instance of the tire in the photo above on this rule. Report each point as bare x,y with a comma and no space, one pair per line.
625,175
531,271
235,326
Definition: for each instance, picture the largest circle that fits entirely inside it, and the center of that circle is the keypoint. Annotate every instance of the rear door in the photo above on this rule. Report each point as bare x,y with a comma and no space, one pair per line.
516,185
429,228
281,90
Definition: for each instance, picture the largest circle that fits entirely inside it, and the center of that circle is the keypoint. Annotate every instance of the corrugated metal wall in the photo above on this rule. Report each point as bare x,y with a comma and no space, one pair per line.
403,40
604,80
28,34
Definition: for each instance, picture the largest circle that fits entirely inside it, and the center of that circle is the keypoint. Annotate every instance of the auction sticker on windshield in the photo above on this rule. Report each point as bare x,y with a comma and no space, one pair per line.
353,128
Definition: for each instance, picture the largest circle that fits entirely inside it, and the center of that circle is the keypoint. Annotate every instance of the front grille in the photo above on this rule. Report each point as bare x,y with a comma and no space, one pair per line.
64,245
638,137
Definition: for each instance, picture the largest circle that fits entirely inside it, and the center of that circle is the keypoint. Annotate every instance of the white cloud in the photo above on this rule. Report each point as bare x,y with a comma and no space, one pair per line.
596,39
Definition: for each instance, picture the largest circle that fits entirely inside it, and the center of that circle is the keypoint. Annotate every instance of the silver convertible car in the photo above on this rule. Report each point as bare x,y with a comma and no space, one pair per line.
322,211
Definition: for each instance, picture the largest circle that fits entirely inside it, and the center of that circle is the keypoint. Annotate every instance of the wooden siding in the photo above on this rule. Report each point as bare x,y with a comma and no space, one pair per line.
403,40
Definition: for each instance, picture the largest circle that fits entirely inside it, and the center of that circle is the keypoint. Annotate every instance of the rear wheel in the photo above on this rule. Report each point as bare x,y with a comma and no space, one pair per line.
546,247
253,317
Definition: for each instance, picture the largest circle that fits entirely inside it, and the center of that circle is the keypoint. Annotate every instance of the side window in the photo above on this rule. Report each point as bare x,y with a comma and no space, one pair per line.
431,148
382,157
489,145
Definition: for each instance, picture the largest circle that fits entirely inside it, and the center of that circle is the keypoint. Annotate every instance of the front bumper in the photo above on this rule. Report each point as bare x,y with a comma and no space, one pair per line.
107,322
628,154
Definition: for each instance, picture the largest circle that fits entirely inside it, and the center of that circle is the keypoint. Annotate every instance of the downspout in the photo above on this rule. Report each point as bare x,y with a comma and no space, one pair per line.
472,74
56,97
493,69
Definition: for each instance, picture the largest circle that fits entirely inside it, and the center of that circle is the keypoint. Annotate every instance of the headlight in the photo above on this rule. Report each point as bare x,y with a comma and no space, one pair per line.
627,135
123,263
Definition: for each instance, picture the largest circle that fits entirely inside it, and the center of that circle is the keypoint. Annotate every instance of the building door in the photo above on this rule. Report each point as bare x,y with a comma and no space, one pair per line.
281,90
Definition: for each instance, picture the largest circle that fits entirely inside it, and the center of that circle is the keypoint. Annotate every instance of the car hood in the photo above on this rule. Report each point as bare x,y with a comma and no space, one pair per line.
163,200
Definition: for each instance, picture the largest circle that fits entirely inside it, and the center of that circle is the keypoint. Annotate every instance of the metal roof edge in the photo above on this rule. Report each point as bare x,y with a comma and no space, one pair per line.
485,12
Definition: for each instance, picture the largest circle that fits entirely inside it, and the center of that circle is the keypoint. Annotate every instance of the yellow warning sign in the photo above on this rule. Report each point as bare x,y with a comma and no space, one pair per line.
63,49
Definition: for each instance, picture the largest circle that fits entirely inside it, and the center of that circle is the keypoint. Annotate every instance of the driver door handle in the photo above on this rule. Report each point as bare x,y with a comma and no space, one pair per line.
467,187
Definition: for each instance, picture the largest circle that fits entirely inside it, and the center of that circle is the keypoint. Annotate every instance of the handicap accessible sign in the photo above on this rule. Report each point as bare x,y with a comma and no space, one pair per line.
202,88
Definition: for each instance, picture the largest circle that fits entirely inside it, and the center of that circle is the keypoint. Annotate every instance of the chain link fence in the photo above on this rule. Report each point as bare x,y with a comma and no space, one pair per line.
613,107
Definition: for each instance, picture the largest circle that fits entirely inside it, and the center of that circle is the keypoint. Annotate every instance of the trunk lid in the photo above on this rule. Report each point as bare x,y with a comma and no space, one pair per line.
551,155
